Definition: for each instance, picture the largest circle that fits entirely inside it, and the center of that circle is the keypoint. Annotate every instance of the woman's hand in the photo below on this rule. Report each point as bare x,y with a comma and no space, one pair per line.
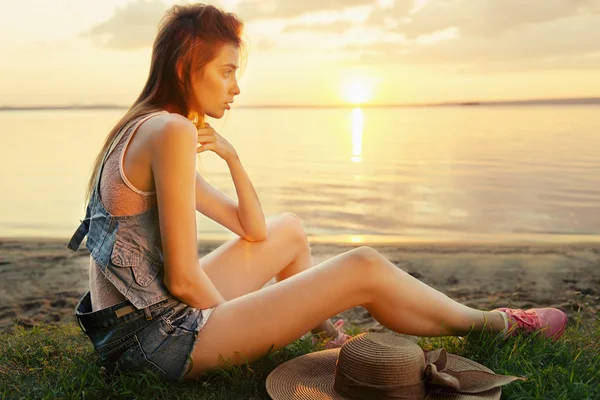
209,139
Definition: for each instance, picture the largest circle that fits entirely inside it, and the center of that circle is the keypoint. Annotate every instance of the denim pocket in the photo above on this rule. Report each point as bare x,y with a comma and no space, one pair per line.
175,318
144,268
133,359
109,349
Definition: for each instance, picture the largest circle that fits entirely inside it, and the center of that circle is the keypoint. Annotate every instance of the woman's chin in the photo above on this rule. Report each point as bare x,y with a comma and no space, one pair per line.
217,114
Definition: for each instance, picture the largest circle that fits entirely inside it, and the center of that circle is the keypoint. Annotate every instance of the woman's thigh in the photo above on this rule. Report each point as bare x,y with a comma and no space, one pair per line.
248,327
239,267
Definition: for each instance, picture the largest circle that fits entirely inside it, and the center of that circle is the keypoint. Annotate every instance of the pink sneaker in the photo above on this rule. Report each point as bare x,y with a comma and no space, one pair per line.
338,341
551,321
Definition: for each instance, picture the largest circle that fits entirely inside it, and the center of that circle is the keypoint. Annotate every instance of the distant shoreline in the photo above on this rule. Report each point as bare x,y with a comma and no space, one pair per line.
532,102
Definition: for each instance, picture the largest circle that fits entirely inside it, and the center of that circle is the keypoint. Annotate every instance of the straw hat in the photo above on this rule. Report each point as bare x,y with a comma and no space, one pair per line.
384,366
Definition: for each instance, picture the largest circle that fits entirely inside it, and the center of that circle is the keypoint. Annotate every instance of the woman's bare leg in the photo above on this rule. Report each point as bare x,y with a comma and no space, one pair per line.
247,327
239,267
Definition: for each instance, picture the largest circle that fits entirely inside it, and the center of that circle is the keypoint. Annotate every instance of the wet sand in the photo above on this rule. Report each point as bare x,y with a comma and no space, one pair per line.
41,280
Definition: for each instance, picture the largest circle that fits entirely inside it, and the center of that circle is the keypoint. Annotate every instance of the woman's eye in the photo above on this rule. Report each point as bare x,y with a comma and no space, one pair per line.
227,73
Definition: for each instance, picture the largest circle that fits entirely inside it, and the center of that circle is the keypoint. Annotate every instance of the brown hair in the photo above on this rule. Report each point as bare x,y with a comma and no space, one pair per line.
189,37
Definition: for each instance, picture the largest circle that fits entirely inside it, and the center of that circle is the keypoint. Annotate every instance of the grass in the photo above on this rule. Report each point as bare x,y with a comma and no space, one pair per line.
59,362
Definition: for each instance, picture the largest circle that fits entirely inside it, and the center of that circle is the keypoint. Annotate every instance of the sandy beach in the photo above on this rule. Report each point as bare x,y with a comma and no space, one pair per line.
41,280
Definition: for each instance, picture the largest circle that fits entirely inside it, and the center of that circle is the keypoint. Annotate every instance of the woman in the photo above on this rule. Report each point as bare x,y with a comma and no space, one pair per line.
153,305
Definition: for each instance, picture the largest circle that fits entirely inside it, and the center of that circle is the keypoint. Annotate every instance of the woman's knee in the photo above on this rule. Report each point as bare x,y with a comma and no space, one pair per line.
365,267
293,227
368,260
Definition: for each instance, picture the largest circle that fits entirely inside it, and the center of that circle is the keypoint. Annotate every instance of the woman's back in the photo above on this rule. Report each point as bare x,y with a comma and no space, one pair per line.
120,196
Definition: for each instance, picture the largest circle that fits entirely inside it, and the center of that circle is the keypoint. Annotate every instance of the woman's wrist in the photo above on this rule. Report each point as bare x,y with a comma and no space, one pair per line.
233,158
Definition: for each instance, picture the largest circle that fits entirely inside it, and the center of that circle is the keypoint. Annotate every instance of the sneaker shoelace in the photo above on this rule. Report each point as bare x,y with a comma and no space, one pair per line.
523,319
342,337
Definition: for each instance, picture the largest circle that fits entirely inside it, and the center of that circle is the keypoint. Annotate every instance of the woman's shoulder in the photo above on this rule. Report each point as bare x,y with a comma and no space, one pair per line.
166,127
169,122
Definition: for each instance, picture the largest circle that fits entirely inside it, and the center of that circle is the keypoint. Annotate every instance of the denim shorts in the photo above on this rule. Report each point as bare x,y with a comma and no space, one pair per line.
158,338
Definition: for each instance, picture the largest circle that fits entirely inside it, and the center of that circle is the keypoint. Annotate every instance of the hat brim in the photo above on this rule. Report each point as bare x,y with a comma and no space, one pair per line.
310,377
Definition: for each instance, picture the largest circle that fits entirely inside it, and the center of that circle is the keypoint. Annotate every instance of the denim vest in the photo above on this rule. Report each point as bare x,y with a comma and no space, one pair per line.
127,248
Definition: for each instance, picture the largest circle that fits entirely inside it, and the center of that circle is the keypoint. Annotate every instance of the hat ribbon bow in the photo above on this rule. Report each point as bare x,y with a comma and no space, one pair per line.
437,379
466,381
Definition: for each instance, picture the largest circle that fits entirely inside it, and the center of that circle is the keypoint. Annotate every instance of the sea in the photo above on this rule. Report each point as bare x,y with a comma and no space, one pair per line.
470,173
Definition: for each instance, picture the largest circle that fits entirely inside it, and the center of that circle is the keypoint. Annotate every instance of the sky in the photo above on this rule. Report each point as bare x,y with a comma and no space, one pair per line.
314,52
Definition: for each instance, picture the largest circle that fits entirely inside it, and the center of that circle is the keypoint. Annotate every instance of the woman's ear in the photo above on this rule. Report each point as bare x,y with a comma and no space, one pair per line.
179,68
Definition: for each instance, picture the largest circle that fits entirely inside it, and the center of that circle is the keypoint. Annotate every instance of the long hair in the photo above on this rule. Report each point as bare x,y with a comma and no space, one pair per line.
189,36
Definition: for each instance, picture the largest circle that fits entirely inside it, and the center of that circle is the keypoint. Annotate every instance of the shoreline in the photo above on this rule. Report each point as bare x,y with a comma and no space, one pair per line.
561,241
42,280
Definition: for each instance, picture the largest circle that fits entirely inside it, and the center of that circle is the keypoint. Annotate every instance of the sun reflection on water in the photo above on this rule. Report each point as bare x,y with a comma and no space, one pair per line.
357,133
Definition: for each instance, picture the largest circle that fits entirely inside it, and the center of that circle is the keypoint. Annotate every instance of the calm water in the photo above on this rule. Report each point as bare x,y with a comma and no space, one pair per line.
439,174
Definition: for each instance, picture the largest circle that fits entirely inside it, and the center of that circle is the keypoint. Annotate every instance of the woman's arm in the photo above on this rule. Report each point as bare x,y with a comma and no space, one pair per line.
221,208
249,209
249,220
173,163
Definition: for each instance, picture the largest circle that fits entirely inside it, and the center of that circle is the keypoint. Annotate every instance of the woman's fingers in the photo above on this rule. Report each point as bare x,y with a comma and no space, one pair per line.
205,147
206,138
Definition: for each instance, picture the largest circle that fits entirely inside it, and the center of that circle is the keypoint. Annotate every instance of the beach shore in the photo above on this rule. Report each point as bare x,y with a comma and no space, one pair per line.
41,280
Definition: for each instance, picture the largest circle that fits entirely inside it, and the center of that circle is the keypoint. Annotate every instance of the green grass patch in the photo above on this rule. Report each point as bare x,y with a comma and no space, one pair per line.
54,362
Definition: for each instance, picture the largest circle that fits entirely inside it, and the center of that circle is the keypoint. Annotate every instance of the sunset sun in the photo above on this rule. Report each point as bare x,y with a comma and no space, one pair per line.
357,91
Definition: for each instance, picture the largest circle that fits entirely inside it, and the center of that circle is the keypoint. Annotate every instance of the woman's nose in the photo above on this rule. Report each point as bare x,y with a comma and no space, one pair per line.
236,89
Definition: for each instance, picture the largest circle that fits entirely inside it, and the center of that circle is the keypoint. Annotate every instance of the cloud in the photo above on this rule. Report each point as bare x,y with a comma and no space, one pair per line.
474,17
335,27
375,16
566,43
465,34
274,9
491,17
131,27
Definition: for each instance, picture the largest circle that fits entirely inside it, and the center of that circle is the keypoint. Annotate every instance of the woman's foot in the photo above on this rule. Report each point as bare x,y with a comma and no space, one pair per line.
337,341
551,321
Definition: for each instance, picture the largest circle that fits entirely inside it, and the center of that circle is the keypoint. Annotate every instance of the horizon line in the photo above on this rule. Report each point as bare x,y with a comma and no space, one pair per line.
557,101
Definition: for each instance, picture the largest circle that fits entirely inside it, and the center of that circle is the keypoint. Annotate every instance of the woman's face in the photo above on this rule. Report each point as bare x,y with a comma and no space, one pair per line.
217,85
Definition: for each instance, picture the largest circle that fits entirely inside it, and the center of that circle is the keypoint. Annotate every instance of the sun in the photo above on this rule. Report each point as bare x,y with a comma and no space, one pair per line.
357,91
